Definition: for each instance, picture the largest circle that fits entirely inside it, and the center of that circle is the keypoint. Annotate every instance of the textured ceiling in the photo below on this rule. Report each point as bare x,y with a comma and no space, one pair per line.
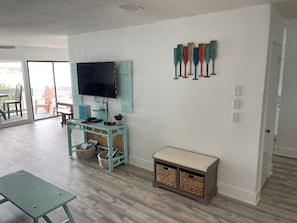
48,22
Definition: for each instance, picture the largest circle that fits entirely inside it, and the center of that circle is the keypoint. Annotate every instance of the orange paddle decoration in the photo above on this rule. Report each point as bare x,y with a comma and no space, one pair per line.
201,58
185,59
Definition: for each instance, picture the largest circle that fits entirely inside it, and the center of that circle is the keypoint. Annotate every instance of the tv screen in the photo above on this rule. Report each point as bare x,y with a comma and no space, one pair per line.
97,79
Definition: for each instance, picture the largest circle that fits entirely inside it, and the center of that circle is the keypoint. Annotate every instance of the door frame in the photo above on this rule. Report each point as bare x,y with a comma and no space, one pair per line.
269,115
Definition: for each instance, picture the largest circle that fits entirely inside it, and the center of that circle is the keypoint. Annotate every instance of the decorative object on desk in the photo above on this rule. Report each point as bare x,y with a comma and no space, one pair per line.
109,123
201,57
196,61
185,59
175,61
207,57
213,54
119,119
84,112
190,56
180,57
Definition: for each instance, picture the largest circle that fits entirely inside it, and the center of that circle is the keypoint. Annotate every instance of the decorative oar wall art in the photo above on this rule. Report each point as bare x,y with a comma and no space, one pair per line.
180,57
197,55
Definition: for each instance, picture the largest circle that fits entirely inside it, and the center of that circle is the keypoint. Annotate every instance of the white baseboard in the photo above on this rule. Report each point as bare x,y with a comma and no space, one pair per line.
238,193
285,151
145,164
225,189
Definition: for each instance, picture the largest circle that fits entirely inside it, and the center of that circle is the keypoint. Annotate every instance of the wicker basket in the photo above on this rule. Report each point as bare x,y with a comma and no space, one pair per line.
191,183
85,154
103,162
166,175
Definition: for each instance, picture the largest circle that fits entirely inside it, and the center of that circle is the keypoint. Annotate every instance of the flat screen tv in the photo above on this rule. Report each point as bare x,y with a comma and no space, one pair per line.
97,79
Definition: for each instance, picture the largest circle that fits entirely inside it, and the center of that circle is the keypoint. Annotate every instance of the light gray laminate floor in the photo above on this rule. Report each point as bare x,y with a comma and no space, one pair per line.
127,195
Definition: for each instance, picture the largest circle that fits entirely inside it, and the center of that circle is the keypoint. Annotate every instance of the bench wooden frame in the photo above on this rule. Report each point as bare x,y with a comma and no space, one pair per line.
210,175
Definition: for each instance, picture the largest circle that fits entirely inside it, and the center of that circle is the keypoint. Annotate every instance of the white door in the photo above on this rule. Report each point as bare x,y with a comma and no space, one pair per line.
271,89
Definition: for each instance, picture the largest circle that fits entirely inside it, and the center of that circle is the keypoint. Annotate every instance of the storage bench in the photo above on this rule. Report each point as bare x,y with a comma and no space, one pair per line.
188,173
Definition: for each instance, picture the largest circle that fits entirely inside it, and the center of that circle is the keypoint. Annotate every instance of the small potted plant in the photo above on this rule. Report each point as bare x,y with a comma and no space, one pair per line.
118,118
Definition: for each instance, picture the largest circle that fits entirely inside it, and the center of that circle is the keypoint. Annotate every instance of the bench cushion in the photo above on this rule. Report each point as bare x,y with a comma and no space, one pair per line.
185,158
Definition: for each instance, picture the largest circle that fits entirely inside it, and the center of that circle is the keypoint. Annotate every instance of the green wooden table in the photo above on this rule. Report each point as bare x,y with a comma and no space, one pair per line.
34,196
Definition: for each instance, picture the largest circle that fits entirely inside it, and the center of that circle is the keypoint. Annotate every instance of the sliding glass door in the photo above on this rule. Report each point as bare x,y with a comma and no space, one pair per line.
50,81
13,107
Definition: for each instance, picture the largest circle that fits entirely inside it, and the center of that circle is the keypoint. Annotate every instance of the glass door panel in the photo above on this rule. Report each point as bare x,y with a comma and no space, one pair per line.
11,74
43,90
63,81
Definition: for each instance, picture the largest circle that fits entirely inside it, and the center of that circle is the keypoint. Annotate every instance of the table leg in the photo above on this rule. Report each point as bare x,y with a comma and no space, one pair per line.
47,219
125,141
109,146
67,211
69,131
3,200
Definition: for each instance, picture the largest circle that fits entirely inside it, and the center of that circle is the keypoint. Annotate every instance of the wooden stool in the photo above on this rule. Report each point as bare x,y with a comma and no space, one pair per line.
66,114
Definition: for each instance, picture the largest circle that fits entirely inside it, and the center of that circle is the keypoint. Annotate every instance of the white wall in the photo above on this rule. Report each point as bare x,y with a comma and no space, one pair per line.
194,115
287,127
23,53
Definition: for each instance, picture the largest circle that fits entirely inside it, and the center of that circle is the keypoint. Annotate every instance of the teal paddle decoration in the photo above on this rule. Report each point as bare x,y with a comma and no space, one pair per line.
213,54
196,61
180,57
190,56
207,57
175,59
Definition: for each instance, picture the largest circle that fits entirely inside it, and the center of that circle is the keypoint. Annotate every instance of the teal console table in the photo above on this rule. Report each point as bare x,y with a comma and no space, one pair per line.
34,196
108,132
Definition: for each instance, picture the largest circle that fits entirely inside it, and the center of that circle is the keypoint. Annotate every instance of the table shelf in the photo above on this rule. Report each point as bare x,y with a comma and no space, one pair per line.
107,134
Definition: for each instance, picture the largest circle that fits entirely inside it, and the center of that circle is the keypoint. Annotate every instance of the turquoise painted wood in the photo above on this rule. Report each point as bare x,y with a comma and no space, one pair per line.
101,110
34,196
77,99
126,86
175,61
109,132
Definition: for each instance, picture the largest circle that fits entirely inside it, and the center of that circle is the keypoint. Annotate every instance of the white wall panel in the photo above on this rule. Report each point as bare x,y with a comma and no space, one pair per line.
194,115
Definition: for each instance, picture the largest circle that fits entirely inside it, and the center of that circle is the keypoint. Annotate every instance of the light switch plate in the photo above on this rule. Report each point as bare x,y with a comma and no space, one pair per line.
236,104
235,117
236,90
